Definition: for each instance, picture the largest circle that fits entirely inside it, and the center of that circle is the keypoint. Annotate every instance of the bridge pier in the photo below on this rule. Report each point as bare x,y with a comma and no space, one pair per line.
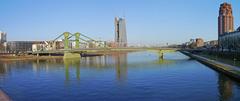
69,55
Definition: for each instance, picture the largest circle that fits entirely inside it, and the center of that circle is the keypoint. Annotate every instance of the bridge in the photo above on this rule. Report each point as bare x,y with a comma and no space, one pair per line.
75,53
101,48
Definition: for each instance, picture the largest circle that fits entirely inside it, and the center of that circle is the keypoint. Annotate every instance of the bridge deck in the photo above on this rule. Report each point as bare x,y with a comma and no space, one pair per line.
89,50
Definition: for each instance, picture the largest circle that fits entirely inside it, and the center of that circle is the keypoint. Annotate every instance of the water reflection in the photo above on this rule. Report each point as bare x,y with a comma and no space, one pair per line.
3,68
72,63
45,65
121,65
118,61
96,62
225,87
165,61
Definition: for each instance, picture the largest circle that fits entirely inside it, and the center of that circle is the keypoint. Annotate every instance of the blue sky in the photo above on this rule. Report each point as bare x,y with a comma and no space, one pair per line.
148,21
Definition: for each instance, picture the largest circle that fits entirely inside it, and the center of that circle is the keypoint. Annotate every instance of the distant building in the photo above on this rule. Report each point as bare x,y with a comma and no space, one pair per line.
120,32
211,44
214,43
3,40
101,44
47,45
199,42
194,43
111,44
228,39
3,37
20,46
225,19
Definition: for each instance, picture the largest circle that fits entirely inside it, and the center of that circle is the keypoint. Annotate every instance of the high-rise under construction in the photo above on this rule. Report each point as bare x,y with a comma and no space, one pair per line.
120,32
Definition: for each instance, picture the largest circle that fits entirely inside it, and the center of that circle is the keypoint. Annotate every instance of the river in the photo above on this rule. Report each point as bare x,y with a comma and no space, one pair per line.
136,76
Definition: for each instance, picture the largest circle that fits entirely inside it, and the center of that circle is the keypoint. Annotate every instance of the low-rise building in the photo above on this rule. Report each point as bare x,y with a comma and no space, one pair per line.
112,44
194,43
211,44
20,46
230,41
199,42
48,45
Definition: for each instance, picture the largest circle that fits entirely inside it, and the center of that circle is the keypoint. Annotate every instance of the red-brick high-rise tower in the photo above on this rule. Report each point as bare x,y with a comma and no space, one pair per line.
225,19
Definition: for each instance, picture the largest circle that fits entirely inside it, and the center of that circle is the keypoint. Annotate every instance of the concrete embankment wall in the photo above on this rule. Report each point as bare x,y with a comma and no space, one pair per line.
231,71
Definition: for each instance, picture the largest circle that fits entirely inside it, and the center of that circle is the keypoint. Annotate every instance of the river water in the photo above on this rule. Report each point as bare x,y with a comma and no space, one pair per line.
137,76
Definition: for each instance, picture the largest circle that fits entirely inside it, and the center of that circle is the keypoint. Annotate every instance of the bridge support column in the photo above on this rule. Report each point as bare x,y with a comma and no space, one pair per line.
69,55
66,40
77,37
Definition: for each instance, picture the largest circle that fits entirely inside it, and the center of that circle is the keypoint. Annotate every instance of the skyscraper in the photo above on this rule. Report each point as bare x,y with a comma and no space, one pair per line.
3,37
120,32
225,19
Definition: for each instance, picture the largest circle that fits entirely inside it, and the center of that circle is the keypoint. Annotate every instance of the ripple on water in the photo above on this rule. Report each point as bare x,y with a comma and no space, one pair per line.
137,76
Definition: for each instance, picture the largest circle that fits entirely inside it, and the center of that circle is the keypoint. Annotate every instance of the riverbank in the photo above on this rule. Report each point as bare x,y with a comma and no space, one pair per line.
227,69
27,57
4,97
46,57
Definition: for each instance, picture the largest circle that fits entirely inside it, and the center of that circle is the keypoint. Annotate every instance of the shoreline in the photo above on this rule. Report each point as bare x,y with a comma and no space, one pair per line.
229,70
15,58
45,57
